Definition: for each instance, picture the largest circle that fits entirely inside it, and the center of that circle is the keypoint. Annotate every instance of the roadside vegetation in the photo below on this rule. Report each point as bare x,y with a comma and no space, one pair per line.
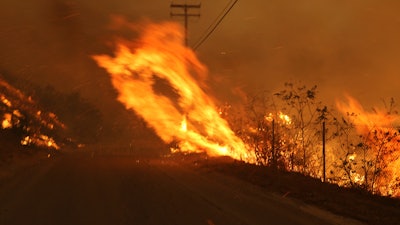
292,130
42,117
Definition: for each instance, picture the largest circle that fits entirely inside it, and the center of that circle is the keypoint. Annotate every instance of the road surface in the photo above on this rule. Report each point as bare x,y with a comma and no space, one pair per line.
80,189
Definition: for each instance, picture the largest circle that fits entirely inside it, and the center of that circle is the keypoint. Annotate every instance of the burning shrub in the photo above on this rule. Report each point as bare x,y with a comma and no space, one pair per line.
38,113
26,120
377,147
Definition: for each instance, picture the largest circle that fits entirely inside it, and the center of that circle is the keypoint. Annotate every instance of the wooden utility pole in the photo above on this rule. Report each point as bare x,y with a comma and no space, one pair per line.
323,153
186,15
274,164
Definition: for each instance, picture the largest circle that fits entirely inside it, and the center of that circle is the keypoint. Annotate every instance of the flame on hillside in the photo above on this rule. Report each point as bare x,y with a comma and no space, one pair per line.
366,121
191,117
285,119
19,111
380,132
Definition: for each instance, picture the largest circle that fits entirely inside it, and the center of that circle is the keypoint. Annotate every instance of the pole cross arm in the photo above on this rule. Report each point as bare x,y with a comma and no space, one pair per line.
182,14
185,6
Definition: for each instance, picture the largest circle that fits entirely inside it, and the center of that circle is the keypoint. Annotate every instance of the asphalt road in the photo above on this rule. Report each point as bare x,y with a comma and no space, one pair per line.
81,189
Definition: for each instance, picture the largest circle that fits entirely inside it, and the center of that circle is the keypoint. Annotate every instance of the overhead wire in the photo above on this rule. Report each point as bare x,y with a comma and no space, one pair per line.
215,24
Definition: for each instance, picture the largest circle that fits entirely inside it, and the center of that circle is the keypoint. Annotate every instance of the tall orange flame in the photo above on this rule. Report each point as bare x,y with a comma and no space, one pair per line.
191,118
365,121
381,131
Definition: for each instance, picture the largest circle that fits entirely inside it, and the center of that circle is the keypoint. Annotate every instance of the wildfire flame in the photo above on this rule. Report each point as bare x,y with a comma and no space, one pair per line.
365,121
161,55
7,123
285,119
380,131
15,107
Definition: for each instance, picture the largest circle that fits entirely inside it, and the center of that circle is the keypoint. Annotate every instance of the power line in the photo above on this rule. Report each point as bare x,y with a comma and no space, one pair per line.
215,24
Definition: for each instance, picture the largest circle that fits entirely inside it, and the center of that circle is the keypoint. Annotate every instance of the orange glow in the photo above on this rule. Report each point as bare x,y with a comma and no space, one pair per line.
380,131
285,118
5,101
7,123
184,124
365,121
160,54
40,140
18,108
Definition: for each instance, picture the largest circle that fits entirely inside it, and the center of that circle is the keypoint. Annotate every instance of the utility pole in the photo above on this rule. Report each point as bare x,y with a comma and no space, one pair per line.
323,153
274,164
186,15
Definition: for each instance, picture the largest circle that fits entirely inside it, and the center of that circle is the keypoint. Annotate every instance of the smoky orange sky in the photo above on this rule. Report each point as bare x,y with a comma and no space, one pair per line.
342,46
